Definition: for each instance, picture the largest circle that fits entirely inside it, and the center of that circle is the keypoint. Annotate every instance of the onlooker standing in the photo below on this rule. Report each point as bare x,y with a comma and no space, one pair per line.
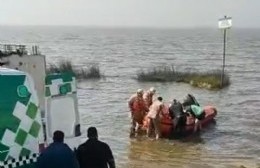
94,153
57,154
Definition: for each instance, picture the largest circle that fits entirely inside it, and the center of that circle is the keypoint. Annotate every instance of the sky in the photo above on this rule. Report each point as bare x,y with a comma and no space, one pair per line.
130,13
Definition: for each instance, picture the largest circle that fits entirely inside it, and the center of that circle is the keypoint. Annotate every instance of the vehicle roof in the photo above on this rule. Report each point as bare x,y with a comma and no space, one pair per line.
8,71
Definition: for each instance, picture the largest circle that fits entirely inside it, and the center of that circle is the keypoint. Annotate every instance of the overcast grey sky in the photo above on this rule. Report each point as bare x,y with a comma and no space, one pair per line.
134,13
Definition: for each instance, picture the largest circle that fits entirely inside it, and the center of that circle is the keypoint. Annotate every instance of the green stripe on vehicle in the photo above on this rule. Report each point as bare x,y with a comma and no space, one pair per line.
32,110
21,137
3,151
66,77
35,129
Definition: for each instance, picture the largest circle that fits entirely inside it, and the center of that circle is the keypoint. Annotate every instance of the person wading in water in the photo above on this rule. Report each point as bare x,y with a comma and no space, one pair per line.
154,118
148,97
138,111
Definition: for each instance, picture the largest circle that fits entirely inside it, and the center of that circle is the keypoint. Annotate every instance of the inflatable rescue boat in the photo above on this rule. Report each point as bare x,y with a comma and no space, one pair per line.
166,122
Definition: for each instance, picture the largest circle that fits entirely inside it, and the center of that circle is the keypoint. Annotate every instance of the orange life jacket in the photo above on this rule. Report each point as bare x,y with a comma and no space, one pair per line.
148,98
137,104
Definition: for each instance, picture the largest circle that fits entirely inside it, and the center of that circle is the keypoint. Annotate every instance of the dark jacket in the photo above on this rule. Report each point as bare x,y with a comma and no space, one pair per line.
176,110
57,155
95,154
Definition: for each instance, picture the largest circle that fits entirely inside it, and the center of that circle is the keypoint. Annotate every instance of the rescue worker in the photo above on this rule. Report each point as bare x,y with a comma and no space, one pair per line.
148,96
199,114
138,110
178,116
154,118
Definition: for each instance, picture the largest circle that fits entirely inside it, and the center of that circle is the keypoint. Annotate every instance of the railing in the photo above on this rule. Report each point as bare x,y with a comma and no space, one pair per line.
10,49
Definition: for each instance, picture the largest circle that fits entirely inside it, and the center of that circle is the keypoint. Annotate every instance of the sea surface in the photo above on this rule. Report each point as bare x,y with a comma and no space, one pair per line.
234,139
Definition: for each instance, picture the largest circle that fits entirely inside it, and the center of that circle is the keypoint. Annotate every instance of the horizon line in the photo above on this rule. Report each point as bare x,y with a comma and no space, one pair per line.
121,27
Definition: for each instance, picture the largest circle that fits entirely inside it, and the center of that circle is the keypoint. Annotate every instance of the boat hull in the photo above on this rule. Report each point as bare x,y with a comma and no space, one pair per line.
166,123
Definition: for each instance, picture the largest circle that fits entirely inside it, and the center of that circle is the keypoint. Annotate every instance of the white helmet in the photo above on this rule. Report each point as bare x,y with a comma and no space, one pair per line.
152,89
139,91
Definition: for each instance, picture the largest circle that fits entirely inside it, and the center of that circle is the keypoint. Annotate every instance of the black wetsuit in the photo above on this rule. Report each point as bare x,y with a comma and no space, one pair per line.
178,116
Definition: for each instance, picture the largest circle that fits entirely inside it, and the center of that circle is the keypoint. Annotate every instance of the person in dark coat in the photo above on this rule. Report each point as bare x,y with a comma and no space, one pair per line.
57,154
94,153
178,116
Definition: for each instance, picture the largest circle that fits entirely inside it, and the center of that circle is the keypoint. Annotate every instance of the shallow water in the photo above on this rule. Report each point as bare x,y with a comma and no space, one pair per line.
233,141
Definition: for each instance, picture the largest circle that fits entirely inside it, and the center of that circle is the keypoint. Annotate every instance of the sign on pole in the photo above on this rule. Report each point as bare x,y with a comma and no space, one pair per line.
225,23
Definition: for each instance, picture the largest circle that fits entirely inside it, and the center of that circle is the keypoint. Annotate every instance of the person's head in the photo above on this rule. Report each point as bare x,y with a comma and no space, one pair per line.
58,136
159,98
140,92
174,101
92,132
152,90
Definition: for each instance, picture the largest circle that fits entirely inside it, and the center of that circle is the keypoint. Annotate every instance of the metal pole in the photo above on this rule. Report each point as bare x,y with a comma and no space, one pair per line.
224,55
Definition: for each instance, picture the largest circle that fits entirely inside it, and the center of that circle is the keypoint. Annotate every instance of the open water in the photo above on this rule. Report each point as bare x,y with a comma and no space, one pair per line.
235,138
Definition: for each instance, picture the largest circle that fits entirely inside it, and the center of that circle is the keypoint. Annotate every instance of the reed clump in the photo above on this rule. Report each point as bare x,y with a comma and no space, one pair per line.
208,80
92,72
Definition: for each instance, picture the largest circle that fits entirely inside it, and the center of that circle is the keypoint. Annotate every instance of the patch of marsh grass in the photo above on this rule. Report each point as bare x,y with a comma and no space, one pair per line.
92,72
209,80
